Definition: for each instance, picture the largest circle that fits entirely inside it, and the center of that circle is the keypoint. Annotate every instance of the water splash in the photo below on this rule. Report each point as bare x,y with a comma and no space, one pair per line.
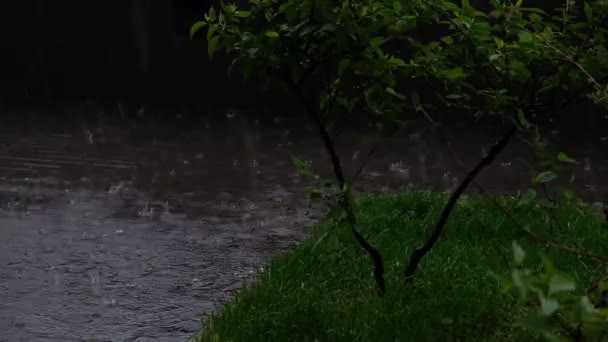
400,168
587,166
231,113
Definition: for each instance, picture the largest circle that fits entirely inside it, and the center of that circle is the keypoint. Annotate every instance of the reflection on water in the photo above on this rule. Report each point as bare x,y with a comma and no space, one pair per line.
132,231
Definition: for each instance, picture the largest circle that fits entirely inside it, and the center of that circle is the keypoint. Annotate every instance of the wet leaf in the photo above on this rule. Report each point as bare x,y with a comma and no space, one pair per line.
583,308
588,12
397,6
597,208
211,31
564,158
545,177
211,16
242,14
526,198
525,37
547,306
548,265
397,61
499,42
394,93
212,46
521,117
376,42
302,167
197,26
519,282
454,74
560,283
518,253
229,9
453,96
272,34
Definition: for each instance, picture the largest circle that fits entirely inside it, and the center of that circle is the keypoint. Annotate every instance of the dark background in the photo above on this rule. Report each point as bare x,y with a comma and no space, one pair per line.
120,50
132,50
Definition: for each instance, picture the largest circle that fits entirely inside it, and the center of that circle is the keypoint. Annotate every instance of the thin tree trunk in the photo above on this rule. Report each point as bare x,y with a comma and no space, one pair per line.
421,251
346,204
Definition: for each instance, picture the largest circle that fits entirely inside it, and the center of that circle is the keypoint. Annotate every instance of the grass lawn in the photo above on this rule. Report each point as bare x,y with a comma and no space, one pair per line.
323,289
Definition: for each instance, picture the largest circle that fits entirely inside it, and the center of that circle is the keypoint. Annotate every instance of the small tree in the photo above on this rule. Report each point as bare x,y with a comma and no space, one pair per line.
331,55
338,57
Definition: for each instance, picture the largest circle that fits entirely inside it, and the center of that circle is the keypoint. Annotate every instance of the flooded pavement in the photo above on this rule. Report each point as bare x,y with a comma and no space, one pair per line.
132,229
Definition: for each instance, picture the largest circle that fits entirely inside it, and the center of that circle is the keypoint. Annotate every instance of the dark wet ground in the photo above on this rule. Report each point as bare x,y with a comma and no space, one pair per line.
115,229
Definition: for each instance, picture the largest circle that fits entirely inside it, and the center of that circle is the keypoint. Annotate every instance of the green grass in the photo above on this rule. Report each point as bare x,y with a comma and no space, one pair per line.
323,289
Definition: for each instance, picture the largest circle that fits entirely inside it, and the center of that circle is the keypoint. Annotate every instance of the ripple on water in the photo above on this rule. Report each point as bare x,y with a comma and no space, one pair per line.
109,278
86,254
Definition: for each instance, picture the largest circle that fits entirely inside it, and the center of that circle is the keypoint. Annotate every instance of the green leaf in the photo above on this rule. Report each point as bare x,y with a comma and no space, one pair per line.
302,168
271,34
583,308
394,93
564,158
479,14
252,51
242,14
597,208
197,26
212,29
454,74
521,117
525,36
588,12
453,96
548,266
545,177
519,3
211,16
519,282
397,6
518,253
212,46
494,56
499,42
376,42
533,10
268,16
560,283
526,198
547,306
397,61
450,6
229,9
